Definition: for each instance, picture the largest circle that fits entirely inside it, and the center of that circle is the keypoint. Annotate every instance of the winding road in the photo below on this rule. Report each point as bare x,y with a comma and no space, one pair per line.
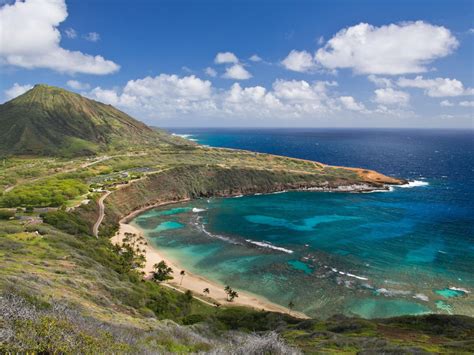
95,229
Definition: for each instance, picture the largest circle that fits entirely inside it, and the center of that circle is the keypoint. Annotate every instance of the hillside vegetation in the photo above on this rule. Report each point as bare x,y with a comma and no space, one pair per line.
64,291
51,121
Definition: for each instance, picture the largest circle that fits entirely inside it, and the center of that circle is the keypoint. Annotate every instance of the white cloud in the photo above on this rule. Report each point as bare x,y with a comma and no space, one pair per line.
160,96
380,81
106,96
77,85
446,103
351,104
70,33
211,72
299,61
438,87
237,72
34,40
389,96
16,90
92,37
393,49
321,40
467,103
226,57
255,58
189,97
171,96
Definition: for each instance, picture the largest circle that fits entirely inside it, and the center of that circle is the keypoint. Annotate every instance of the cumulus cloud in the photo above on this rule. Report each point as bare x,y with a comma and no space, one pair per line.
389,96
175,97
211,72
393,49
92,37
467,103
16,90
446,103
226,57
172,96
77,85
237,72
34,39
351,104
299,61
380,81
437,87
255,58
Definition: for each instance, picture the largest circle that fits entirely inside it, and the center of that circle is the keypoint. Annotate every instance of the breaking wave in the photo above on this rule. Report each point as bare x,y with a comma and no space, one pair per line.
269,246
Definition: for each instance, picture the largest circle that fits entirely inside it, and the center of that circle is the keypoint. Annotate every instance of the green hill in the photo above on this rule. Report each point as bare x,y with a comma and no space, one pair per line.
48,120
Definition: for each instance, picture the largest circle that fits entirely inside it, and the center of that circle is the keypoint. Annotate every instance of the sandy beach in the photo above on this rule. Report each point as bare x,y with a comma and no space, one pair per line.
193,282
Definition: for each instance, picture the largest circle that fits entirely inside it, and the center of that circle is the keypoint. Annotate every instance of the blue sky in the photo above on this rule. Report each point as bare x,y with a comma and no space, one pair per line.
315,63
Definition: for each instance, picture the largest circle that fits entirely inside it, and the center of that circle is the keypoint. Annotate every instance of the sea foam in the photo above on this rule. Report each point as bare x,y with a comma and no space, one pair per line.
414,183
185,136
270,246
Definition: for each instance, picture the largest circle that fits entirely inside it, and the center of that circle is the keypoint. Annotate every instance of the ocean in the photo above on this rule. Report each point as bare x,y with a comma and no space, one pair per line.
381,254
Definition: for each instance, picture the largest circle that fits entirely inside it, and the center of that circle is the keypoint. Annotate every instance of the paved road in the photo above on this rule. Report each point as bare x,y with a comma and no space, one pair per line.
95,229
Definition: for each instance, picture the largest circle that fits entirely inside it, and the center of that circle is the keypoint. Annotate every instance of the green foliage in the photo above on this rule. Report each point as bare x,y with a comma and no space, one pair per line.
162,272
6,214
52,192
52,335
231,294
52,121
67,222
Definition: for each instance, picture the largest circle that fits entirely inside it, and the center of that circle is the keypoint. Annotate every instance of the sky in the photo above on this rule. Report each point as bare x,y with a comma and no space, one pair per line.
243,63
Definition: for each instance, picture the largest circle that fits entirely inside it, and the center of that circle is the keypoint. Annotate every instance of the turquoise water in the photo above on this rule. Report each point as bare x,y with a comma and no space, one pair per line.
371,255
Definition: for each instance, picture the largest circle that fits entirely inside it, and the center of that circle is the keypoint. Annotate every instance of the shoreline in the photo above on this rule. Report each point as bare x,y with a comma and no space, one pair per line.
193,282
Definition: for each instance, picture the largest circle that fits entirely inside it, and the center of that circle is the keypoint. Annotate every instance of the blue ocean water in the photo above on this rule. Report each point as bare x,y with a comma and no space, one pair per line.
407,251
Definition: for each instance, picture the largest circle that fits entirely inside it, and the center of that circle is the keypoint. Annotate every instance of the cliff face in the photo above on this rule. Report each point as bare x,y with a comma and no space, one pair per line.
215,181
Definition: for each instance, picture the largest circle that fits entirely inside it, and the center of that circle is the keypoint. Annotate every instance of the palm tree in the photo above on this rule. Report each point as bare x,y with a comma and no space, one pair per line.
231,294
182,273
291,305
162,272
206,291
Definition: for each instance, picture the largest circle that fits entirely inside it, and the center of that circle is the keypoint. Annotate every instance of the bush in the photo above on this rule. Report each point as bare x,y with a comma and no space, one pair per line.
66,222
46,193
4,214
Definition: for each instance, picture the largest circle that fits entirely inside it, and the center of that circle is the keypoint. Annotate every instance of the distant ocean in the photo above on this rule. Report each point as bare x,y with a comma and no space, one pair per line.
407,251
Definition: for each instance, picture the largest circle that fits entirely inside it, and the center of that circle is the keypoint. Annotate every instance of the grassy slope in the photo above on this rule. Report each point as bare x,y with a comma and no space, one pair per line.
51,121
62,290
72,287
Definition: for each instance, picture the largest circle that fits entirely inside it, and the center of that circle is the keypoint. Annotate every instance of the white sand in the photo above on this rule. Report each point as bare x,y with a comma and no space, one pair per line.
196,283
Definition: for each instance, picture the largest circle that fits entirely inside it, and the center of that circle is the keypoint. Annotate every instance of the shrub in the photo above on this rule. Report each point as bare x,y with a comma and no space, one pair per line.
4,214
65,221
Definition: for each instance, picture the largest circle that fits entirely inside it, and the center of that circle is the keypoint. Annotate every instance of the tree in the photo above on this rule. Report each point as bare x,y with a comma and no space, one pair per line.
162,272
231,294
206,291
291,305
182,273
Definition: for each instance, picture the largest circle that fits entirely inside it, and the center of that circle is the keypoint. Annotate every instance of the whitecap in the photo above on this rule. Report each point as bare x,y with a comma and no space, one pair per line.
422,297
270,246
459,289
414,183
357,277
185,136
391,292
197,210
